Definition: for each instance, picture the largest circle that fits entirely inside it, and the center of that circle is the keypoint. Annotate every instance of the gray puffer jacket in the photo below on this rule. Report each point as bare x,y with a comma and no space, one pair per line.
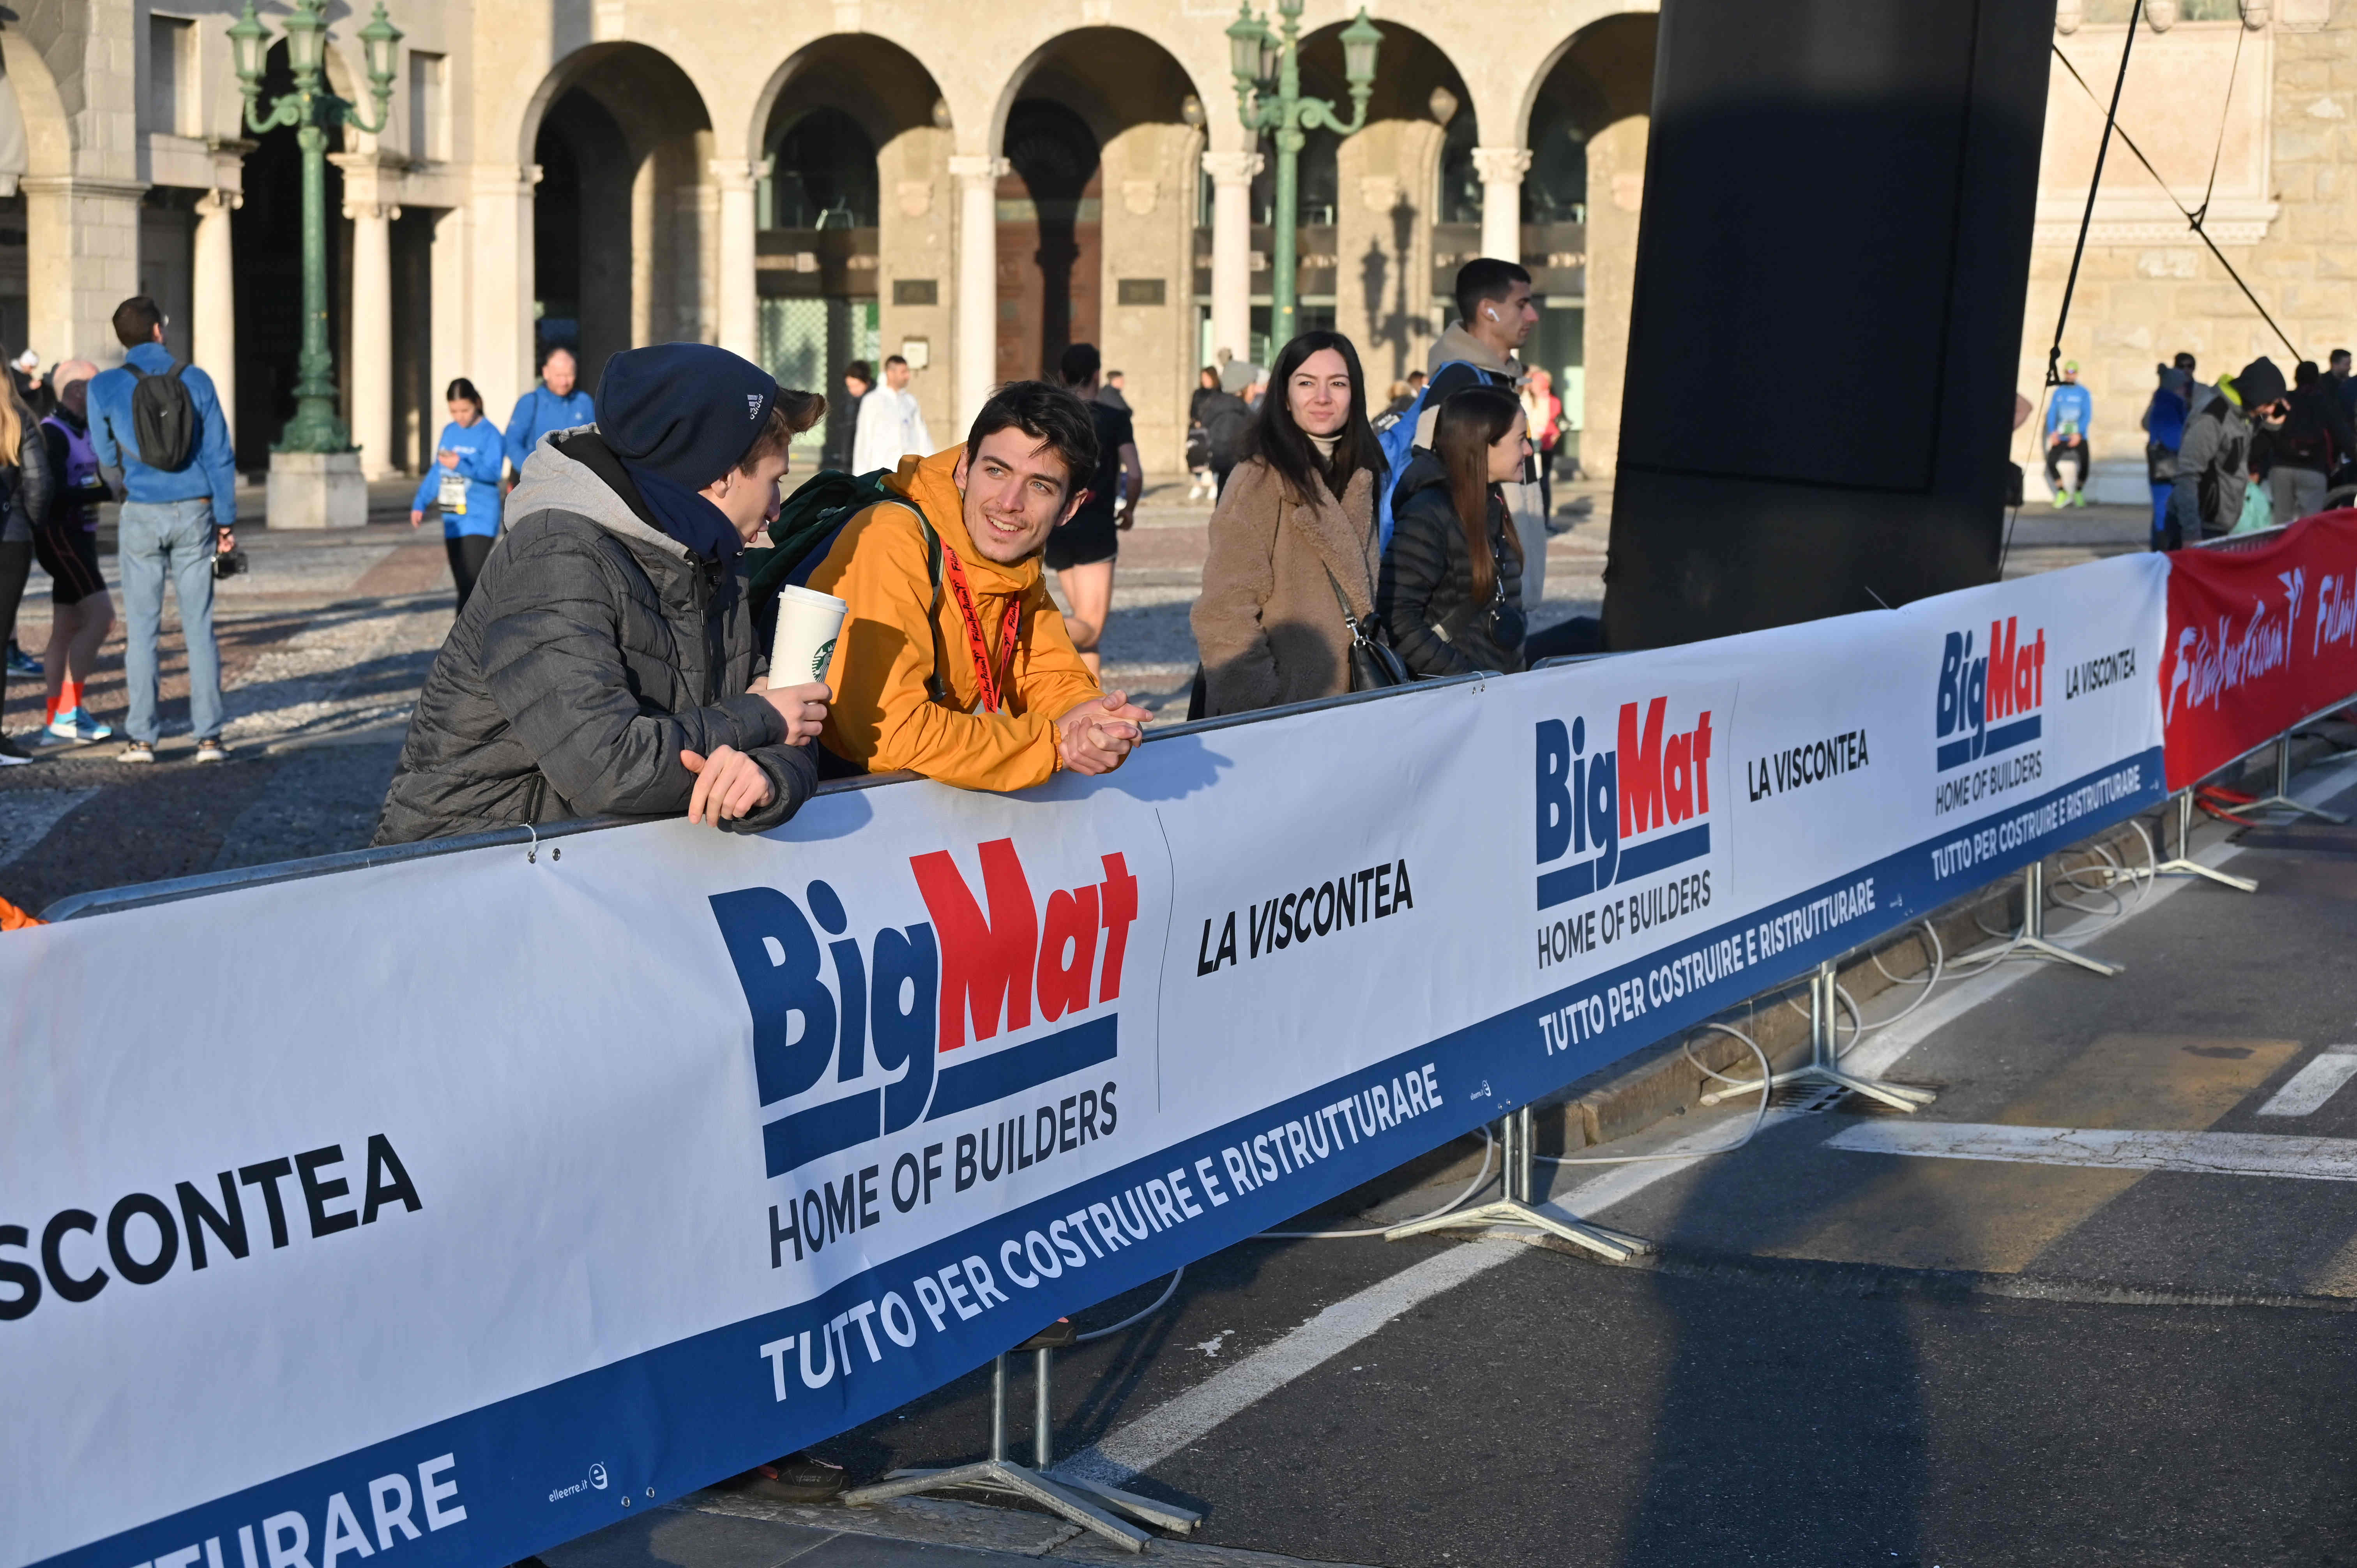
595,650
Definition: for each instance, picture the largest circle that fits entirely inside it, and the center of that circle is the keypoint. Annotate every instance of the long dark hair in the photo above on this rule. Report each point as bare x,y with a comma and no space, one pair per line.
1274,436
1471,421
463,390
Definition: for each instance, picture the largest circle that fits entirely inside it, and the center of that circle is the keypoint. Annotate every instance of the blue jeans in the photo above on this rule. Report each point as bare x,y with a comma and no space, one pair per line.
158,539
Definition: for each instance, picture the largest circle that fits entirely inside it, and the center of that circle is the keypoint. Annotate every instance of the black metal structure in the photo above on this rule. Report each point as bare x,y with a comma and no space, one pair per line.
1831,271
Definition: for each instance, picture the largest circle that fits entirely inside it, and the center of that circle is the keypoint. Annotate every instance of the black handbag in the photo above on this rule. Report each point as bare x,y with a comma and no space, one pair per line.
1373,666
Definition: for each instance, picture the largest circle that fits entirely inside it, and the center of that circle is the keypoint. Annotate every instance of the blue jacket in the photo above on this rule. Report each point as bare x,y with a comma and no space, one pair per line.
481,451
212,469
538,412
2071,404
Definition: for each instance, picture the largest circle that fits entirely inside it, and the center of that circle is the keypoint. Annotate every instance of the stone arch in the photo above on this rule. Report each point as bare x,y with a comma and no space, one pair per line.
1586,117
1102,132
625,218
857,122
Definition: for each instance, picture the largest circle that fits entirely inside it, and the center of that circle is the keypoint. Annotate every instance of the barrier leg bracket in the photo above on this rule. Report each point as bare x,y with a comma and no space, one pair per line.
1825,1054
2281,799
1084,1503
2184,864
1515,1206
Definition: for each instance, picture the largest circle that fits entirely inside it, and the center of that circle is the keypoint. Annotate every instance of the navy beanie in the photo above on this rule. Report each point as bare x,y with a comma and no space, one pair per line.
688,412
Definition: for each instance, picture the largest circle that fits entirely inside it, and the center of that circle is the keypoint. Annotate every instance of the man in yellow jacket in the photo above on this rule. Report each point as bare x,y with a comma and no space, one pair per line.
954,662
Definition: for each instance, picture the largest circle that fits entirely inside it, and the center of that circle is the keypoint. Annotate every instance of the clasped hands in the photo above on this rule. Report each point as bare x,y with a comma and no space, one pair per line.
1096,735
730,784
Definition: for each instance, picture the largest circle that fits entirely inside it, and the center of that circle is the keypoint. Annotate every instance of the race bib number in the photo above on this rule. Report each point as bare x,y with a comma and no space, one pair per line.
452,496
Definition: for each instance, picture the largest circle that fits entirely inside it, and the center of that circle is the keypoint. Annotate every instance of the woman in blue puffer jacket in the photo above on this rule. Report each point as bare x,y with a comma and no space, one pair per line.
463,482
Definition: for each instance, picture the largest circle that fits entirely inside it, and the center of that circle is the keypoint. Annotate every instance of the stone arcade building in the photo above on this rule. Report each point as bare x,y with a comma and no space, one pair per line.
976,187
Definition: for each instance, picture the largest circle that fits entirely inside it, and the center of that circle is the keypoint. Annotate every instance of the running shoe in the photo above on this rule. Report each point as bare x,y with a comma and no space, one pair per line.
23,663
137,751
211,751
74,724
14,755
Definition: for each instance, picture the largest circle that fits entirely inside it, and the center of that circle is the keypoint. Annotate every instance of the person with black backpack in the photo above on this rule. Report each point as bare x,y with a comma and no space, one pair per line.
160,422
2314,439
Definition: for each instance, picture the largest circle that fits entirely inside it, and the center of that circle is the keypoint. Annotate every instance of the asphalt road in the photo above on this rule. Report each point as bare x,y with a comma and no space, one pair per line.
1844,1357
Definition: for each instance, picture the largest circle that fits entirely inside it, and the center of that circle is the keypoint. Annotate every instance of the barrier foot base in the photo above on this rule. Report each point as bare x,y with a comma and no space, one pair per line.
2195,868
1169,1516
1898,1096
1613,1246
2286,803
1006,1476
2039,947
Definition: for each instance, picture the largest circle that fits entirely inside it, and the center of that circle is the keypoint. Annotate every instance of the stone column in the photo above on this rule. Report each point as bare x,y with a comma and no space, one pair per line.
1232,176
738,313
213,326
82,261
1616,191
1501,170
978,280
372,334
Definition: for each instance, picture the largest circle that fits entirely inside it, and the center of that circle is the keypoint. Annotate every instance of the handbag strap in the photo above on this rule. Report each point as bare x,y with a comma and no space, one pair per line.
1358,632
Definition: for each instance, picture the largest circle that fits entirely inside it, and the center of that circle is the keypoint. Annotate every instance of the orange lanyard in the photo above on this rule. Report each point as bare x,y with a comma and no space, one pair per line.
993,682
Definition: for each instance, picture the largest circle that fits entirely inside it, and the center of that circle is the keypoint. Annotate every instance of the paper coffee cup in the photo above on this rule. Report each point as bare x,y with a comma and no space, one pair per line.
808,624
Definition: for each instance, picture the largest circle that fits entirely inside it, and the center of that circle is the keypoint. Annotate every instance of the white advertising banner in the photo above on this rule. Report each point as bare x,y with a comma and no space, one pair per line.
442,1210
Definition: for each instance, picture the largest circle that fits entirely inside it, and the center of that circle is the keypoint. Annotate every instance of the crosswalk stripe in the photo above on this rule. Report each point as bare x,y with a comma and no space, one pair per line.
2314,1084
2198,1154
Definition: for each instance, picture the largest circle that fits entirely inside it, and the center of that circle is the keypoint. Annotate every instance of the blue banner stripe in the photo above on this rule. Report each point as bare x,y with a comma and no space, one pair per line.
1027,1066
1644,859
2004,738
791,1142
1571,882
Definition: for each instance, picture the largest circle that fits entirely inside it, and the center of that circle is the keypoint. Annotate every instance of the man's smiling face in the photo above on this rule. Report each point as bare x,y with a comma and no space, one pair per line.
1016,491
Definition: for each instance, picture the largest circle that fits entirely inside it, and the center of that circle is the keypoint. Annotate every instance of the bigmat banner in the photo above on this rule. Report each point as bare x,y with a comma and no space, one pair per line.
438,1212
2258,640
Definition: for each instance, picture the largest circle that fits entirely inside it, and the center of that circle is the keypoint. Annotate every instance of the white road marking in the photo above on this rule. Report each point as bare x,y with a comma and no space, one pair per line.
2110,1148
2314,1084
1879,1052
1153,1437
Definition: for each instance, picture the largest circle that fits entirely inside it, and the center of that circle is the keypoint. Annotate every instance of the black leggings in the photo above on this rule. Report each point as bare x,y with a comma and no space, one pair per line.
15,567
467,551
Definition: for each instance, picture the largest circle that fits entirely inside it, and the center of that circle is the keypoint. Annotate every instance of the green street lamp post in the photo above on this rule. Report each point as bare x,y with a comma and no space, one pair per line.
313,110
1267,65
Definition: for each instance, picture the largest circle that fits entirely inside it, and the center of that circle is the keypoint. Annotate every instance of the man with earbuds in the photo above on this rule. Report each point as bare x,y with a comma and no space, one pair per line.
1494,318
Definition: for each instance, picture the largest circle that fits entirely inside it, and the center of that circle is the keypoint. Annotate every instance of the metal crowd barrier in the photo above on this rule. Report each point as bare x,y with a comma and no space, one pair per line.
550,836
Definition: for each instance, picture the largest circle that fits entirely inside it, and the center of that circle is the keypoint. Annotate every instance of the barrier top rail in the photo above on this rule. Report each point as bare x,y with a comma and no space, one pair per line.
143,895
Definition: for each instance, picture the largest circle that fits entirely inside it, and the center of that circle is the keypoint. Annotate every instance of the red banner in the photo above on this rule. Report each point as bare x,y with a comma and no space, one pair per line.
2258,640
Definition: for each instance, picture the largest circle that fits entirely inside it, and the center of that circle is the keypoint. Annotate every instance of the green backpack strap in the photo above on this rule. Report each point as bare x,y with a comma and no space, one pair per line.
934,686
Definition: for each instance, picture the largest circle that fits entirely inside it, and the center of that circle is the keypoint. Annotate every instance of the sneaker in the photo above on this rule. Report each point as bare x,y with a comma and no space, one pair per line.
211,751
74,724
14,755
137,751
2078,497
2062,499
796,1479
23,663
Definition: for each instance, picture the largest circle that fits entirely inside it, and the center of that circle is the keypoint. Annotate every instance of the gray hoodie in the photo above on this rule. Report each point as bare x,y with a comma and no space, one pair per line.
595,650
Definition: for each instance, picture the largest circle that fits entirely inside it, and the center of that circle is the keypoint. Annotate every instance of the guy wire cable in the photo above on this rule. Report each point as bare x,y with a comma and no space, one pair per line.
2086,219
2191,219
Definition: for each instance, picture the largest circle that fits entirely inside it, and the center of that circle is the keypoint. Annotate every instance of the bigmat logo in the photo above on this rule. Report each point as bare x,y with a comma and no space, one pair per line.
1990,704
1627,812
892,1014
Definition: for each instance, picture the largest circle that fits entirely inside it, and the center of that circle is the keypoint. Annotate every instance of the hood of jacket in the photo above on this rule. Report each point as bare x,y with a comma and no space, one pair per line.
573,471
929,483
1423,471
1457,343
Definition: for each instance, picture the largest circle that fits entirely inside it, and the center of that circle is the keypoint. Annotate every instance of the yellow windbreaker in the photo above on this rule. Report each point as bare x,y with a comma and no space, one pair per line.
895,635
